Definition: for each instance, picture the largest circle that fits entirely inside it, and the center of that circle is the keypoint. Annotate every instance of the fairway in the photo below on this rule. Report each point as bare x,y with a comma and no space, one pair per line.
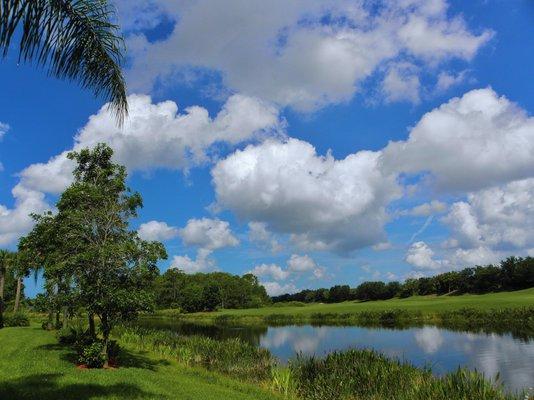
34,366
429,304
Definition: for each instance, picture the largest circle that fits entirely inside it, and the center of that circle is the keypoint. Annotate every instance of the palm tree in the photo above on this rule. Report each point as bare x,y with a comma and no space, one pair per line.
19,274
74,39
5,257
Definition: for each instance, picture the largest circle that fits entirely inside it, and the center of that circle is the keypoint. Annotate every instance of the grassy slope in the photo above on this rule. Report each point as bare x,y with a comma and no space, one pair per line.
520,298
33,366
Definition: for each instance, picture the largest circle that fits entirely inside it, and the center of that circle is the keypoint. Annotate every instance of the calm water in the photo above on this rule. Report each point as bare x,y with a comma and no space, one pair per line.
443,350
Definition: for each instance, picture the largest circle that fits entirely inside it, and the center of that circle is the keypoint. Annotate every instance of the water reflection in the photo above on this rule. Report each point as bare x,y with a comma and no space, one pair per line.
429,339
442,349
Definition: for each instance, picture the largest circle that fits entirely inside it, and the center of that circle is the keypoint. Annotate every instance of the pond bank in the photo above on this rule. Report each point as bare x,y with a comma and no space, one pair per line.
362,374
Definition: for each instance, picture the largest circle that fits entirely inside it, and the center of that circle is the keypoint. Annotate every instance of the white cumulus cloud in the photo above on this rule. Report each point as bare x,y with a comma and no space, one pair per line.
156,230
420,255
323,202
471,142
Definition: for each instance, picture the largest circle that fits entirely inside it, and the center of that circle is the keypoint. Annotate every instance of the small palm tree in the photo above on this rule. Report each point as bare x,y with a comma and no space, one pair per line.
74,39
5,257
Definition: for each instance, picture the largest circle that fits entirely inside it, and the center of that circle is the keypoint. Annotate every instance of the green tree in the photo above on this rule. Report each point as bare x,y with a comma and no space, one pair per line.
75,39
106,268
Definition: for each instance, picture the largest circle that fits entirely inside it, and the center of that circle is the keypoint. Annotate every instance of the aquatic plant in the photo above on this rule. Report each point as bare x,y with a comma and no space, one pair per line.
366,374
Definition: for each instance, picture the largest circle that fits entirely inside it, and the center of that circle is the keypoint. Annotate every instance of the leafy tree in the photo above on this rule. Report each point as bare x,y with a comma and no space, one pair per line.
339,293
208,291
75,39
96,260
371,291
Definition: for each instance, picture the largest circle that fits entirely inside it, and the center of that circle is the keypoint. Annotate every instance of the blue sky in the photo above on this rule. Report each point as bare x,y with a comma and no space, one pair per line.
313,143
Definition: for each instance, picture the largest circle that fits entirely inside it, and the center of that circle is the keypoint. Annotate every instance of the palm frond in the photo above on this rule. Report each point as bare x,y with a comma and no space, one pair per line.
75,39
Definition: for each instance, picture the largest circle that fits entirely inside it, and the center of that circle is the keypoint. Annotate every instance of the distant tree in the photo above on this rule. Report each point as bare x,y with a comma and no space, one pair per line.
371,291
339,293
75,39
426,286
392,289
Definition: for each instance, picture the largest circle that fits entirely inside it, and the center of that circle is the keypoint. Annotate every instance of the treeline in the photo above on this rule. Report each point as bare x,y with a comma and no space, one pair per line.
514,273
208,291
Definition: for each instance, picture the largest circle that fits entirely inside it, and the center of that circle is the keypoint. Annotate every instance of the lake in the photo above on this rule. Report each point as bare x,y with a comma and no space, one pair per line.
443,350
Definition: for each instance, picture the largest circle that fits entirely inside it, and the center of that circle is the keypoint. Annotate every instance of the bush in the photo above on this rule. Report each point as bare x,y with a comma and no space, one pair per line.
70,335
47,325
92,354
18,319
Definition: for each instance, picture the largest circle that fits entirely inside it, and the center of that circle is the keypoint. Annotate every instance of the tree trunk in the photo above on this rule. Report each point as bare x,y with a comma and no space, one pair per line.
106,330
92,330
17,295
2,284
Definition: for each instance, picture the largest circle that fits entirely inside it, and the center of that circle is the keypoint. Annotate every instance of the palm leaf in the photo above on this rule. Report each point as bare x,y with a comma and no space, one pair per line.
75,39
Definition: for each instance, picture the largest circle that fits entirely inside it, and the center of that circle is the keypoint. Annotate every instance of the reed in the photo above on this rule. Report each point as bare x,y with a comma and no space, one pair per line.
367,375
233,357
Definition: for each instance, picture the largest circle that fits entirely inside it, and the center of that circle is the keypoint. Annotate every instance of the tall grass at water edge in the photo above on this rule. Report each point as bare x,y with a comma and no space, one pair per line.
352,374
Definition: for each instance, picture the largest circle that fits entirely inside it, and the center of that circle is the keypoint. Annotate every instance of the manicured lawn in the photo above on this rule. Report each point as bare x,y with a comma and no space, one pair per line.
521,298
34,366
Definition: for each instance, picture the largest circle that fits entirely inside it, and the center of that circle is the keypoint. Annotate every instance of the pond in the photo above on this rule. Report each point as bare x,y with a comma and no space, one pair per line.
441,349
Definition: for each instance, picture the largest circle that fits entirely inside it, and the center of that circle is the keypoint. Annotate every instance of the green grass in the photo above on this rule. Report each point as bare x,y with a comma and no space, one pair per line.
34,366
424,304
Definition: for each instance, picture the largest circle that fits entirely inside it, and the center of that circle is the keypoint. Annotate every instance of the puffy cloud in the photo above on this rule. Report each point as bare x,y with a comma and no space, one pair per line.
259,233
276,289
209,234
481,255
323,202
421,257
493,220
272,270
468,143
17,221
156,230
305,263
300,53
202,262
50,177
155,135
296,266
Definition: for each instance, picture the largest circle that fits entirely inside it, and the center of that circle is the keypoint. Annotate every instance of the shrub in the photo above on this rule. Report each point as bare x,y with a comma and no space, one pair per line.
92,355
70,335
47,325
15,320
